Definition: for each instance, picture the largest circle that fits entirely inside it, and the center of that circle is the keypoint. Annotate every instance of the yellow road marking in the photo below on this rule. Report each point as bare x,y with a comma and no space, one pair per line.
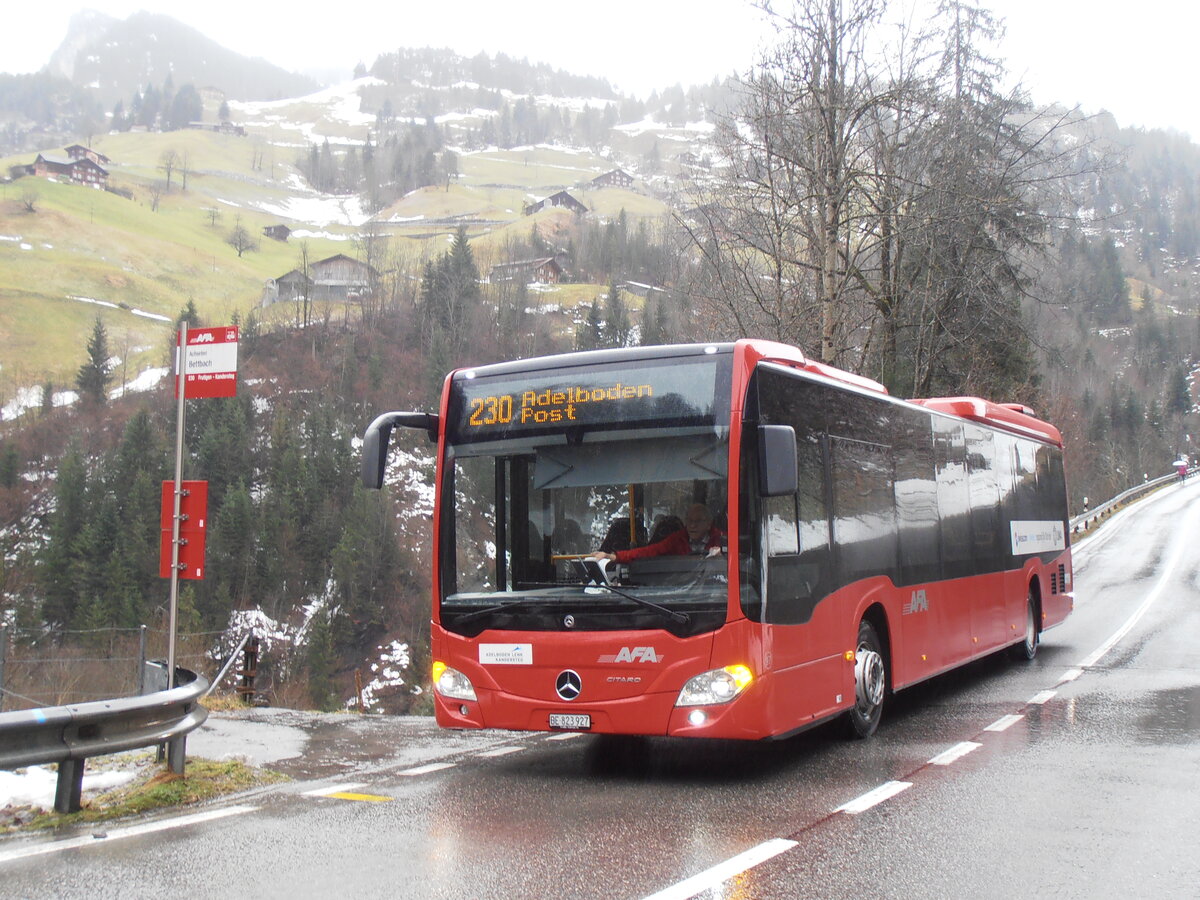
363,798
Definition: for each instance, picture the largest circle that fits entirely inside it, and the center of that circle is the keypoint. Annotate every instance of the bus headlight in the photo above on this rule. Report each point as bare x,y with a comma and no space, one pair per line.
715,687
452,683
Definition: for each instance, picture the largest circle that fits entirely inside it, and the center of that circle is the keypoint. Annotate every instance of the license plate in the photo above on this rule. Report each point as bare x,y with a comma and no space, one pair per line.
570,721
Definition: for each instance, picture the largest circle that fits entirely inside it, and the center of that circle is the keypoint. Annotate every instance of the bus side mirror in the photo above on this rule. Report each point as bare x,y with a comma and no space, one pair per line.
776,460
377,436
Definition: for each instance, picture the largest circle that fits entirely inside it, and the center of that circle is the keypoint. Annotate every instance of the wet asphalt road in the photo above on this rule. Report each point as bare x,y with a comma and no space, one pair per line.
1077,775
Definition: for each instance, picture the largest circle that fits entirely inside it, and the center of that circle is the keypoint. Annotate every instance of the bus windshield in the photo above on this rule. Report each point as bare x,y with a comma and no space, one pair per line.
636,447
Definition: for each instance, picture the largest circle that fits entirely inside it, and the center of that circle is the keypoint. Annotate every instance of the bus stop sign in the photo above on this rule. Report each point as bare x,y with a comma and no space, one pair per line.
193,526
211,357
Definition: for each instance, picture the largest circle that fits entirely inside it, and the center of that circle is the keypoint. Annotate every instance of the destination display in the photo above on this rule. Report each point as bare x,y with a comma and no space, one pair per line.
488,408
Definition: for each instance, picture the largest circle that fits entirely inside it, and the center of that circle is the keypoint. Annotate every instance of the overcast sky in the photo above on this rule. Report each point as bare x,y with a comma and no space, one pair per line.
1134,59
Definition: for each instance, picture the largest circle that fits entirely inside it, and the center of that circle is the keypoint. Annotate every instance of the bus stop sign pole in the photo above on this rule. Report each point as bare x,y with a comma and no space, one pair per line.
181,384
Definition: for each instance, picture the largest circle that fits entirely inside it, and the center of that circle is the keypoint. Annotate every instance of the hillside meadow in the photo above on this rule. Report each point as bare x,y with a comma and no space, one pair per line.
136,258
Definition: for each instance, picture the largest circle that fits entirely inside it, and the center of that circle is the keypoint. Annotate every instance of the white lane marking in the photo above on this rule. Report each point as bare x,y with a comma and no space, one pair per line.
425,770
712,878
1004,723
500,751
117,834
955,753
564,736
1159,587
333,789
1070,675
1042,697
885,791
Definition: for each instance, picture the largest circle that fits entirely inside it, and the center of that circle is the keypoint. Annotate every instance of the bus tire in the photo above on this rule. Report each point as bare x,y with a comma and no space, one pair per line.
1028,648
870,683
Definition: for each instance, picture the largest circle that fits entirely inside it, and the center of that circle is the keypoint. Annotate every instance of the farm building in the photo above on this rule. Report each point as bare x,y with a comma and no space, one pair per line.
615,178
562,199
530,271
337,278
78,171
78,151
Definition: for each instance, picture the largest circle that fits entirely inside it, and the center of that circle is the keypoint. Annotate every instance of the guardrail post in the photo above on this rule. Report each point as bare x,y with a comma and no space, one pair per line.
176,753
3,659
69,792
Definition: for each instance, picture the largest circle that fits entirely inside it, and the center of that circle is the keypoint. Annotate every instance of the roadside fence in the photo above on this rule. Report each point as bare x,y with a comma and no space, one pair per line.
40,668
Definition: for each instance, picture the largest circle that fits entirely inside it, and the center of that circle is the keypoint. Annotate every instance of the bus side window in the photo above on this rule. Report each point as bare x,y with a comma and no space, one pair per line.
782,537
796,528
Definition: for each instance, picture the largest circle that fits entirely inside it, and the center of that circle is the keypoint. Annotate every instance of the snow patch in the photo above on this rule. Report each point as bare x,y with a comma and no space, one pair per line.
393,659
150,315
35,785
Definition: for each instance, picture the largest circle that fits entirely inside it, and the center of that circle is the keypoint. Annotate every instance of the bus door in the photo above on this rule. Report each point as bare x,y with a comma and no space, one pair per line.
989,618
954,513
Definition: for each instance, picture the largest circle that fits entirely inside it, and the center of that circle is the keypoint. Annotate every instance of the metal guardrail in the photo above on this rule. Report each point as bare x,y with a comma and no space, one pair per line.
69,735
1085,519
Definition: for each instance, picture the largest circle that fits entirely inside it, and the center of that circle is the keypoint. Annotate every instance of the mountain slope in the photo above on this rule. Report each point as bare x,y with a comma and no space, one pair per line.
116,58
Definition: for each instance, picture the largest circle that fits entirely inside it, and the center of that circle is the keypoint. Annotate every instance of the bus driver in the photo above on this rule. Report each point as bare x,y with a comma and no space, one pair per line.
698,536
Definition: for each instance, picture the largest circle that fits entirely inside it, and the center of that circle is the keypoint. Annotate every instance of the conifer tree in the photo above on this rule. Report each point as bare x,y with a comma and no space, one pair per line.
653,330
94,375
617,327
589,334
66,522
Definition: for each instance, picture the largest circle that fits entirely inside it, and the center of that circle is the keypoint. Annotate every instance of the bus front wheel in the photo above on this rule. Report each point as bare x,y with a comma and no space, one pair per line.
870,682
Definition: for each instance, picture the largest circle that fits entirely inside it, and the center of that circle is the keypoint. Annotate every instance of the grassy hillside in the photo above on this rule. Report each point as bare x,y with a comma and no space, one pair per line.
137,260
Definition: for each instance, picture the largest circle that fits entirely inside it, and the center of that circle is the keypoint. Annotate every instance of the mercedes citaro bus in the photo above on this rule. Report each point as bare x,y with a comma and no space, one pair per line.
865,543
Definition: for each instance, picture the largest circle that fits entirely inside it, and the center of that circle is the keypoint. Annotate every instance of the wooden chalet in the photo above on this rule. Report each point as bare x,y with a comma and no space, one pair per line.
289,287
78,151
560,199
528,271
277,232
342,277
336,278
77,171
615,178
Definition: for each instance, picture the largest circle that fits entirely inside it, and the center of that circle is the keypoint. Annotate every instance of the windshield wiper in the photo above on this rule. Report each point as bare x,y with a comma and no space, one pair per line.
519,603
523,602
676,617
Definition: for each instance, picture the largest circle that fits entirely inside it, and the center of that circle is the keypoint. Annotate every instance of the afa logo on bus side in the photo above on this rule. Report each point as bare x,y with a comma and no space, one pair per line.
919,602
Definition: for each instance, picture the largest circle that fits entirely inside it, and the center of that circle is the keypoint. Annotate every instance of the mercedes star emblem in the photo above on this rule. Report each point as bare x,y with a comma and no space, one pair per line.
568,685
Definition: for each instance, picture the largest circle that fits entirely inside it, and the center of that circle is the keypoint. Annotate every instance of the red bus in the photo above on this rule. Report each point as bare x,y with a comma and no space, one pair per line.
859,544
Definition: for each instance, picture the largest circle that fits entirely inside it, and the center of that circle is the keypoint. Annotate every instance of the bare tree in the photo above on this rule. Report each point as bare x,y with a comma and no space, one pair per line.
156,192
167,161
30,198
789,234
890,212
372,244
304,299
240,239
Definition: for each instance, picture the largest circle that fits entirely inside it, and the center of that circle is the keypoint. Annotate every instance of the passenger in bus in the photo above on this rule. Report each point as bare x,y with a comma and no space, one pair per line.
698,536
567,537
663,526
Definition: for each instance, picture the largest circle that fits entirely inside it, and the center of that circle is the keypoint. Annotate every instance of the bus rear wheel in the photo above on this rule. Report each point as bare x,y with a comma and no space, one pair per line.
870,683
1028,648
